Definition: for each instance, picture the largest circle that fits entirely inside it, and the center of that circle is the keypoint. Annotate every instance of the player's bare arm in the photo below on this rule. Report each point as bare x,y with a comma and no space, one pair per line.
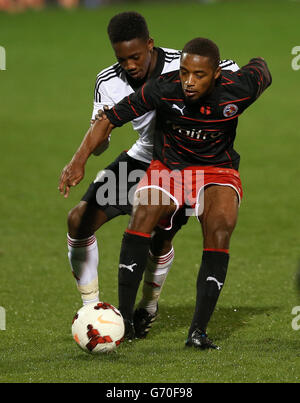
73,173
99,116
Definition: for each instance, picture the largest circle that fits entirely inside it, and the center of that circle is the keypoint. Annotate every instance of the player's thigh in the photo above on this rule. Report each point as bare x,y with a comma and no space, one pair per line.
85,219
150,205
220,213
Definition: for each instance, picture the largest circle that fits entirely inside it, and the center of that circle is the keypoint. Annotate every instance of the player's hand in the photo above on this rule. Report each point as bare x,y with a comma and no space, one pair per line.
100,114
71,175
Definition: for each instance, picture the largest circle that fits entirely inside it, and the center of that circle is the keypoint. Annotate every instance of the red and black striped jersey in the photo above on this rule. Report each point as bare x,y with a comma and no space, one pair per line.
200,134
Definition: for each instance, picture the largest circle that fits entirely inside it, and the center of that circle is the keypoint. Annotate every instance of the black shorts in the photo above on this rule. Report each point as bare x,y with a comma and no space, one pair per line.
113,189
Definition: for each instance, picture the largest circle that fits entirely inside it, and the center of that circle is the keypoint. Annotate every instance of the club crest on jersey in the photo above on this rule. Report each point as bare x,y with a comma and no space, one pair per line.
230,110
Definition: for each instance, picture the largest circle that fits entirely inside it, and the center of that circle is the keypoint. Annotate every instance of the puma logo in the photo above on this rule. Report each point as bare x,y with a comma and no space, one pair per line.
129,267
174,106
215,280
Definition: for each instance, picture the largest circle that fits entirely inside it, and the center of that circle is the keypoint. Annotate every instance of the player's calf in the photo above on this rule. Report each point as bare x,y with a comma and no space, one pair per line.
210,282
83,220
133,258
83,258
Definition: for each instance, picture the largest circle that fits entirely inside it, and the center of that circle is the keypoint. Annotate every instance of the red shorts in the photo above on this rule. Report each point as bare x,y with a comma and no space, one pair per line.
186,187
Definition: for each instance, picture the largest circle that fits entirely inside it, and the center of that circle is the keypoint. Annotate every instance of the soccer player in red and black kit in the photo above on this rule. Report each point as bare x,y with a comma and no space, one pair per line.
197,114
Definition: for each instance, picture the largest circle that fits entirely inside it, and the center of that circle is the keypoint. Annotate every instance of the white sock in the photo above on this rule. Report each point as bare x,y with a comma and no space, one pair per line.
155,275
83,257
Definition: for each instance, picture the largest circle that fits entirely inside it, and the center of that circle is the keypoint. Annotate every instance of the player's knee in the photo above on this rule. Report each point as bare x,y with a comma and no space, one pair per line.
79,225
221,238
160,243
143,219
221,232
74,220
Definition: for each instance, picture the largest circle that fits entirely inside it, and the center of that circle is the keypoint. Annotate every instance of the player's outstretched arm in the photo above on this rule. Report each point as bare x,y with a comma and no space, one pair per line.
73,172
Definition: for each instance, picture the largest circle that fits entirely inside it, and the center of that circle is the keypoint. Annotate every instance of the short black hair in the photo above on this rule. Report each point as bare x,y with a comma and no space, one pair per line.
127,26
203,47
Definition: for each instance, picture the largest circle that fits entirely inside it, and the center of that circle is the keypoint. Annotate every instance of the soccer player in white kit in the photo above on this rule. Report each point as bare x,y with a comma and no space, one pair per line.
138,61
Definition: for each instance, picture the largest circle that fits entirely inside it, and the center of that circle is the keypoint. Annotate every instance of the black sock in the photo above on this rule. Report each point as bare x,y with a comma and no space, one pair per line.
133,260
210,281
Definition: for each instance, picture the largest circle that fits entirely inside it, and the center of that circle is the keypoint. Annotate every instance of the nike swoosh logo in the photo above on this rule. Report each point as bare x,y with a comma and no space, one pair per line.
108,322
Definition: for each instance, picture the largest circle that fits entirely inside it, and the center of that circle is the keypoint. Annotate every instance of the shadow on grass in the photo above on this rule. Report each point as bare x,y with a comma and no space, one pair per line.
224,322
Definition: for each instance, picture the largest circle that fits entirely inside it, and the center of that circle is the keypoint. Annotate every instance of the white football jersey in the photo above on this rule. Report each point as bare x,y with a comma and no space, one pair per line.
112,86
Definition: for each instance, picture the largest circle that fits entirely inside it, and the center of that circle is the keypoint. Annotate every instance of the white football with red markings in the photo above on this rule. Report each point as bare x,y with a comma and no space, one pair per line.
98,328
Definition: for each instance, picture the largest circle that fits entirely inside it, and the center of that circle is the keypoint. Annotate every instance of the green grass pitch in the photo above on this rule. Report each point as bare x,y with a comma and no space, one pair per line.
46,93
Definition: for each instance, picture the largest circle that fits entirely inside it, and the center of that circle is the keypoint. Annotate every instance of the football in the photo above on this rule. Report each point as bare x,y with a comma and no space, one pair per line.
98,328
